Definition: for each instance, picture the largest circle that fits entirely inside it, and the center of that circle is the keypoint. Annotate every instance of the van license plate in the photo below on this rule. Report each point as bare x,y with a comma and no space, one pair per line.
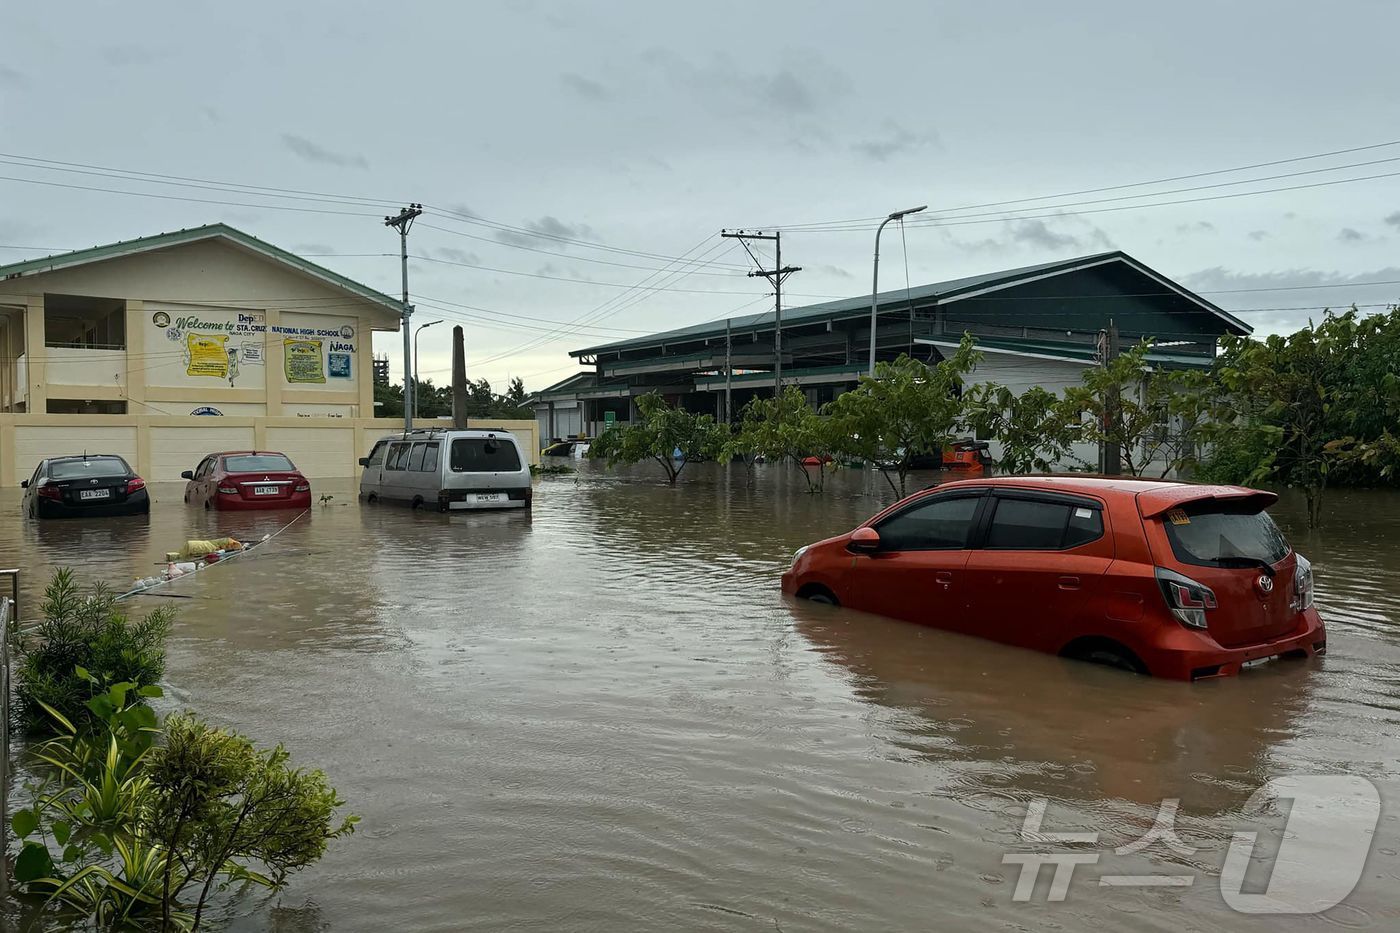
264,490
94,493
1258,662
488,497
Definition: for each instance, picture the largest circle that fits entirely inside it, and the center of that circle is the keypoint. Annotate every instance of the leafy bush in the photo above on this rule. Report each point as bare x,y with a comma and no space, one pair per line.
658,433
133,834
84,644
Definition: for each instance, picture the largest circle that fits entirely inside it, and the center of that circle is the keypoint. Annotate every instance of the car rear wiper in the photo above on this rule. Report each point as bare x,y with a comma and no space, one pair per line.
1259,562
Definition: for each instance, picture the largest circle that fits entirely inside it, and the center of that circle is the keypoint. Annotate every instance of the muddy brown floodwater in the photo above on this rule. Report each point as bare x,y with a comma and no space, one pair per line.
603,716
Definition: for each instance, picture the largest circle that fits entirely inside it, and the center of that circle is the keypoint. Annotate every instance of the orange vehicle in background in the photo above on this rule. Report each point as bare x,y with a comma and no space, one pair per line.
968,457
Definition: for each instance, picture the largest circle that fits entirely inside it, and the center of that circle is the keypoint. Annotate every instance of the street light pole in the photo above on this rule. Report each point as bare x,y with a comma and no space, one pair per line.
415,361
875,285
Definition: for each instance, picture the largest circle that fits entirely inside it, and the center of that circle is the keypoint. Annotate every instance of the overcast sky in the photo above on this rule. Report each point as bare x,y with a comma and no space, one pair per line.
648,126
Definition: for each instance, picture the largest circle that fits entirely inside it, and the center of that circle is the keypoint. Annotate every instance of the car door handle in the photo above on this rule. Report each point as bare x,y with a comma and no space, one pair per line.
1069,583
943,578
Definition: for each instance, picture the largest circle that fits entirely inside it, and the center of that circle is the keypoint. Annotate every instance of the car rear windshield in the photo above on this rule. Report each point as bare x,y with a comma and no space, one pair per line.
1215,536
484,455
258,463
95,466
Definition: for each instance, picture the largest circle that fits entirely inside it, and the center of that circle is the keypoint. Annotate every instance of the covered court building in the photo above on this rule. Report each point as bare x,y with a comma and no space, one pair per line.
1036,325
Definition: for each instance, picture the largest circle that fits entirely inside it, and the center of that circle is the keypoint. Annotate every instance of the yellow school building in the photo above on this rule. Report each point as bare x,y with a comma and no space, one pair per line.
168,347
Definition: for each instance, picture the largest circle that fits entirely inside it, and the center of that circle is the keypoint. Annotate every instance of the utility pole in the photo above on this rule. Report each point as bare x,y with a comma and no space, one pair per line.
776,276
1110,453
402,223
459,379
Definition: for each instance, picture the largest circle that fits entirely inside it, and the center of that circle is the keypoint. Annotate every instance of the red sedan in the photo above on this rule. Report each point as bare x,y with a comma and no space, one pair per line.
247,479
1171,579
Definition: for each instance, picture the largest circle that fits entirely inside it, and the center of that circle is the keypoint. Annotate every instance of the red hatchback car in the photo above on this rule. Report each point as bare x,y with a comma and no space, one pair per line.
247,479
1171,579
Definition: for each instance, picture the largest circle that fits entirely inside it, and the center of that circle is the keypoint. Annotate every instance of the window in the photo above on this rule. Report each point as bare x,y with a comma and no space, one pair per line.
415,459
430,458
258,463
1039,525
92,466
202,471
376,456
484,455
1222,537
943,524
398,454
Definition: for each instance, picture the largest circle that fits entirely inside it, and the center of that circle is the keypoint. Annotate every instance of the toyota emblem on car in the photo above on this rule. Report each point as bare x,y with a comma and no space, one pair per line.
1265,584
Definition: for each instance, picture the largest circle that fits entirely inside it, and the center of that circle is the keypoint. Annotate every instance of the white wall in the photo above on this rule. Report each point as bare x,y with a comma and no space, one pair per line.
1019,373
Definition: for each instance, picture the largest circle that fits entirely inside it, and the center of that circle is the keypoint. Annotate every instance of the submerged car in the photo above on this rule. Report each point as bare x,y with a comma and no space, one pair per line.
90,484
1164,578
448,470
235,480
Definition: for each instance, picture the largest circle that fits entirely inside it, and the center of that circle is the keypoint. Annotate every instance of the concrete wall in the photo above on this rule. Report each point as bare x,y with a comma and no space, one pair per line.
159,448
1018,373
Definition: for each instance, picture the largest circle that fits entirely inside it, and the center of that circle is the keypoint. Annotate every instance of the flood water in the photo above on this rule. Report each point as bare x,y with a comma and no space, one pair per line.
604,716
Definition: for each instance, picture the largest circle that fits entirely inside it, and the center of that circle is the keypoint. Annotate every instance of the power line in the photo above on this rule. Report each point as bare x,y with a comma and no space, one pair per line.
1120,187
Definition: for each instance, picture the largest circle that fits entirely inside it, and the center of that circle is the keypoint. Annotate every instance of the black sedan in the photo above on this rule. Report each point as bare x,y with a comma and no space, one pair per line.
91,484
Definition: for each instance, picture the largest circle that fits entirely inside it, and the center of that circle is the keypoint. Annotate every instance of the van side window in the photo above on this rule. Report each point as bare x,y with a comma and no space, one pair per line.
430,458
376,456
484,455
940,525
415,459
398,453
1029,525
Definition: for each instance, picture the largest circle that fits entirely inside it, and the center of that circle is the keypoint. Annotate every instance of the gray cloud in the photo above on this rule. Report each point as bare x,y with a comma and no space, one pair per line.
798,88
1351,235
1038,235
895,140
545,230
1200,226
312,152
1258,235
452,254
584,87
9,77
834,271
1393,219
457,207
122,56
308,249
1286,299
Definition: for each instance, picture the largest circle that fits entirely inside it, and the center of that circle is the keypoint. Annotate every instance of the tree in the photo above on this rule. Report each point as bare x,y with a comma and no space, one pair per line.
1035,429
787,428
909,408
1302,405
1156,419
671,436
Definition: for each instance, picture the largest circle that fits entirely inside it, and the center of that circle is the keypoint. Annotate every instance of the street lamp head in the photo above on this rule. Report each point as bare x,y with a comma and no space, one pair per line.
904,213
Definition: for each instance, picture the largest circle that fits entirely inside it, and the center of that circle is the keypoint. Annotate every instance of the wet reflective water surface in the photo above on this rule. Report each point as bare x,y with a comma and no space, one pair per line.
604,716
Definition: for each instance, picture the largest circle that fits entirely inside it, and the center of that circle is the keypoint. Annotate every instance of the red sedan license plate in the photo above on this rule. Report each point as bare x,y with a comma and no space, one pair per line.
264,490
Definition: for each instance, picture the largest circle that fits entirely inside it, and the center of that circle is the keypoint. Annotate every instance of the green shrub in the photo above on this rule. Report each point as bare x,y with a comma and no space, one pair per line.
84,644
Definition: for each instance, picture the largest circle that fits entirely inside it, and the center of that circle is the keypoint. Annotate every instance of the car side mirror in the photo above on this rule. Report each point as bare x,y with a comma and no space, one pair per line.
188,474
24,484
864,541
364,461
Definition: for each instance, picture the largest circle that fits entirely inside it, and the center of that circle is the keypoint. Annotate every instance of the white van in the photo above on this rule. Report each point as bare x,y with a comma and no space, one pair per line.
448,470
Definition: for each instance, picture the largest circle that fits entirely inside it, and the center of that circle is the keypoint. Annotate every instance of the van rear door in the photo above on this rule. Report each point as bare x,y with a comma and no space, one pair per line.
1230,544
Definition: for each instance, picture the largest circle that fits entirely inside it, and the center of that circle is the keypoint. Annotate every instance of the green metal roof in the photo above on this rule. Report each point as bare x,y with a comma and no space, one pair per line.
941,291
181,237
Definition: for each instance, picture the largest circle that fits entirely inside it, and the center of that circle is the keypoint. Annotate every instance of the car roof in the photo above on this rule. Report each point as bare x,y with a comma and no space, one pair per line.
434,433
83,457
1154,496
1072,482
